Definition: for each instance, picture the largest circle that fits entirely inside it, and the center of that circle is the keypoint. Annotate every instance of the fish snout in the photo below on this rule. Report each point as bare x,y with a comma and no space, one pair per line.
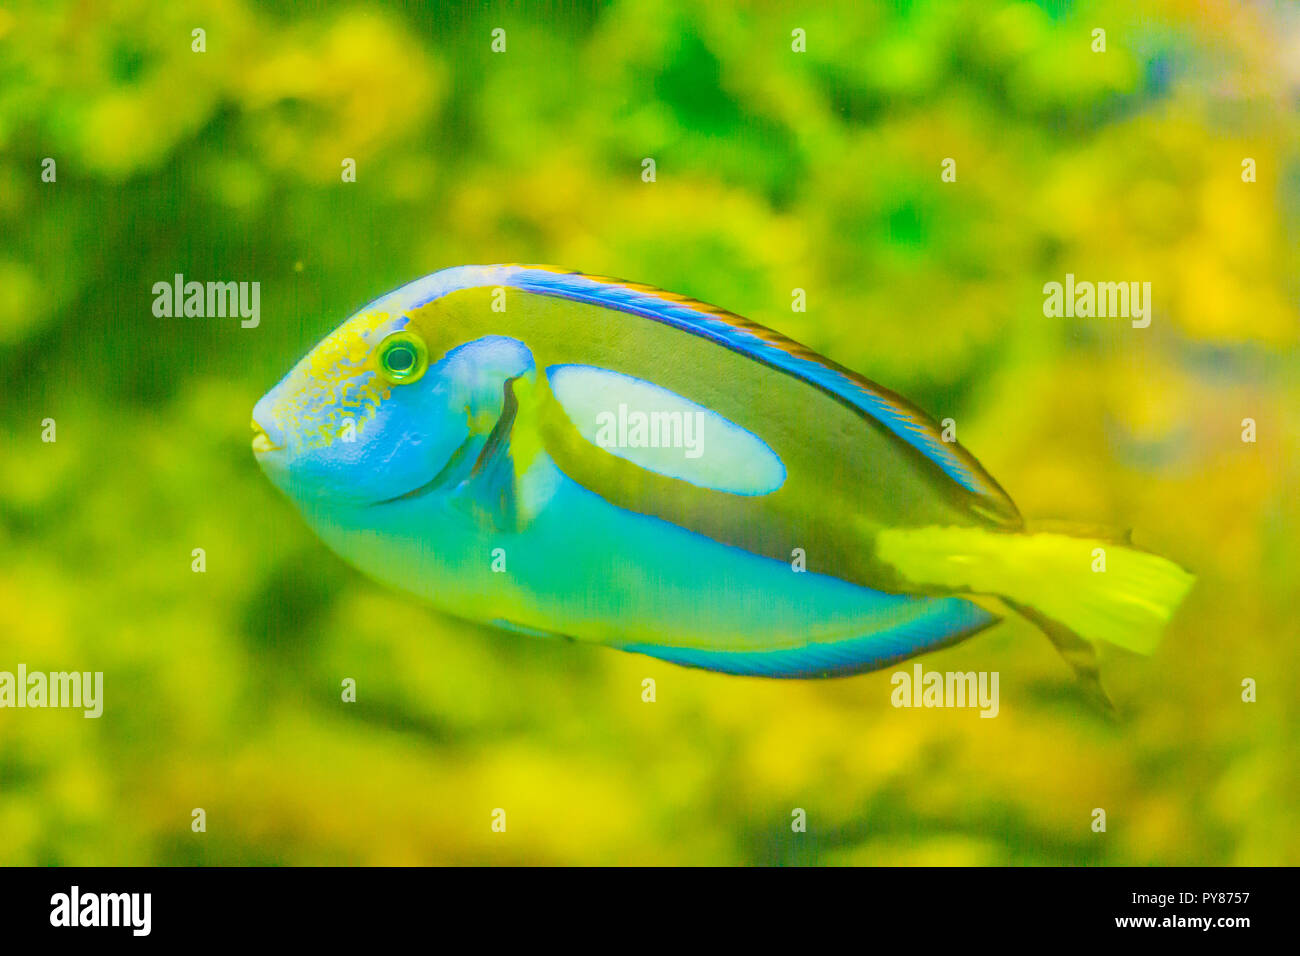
267,435
262,440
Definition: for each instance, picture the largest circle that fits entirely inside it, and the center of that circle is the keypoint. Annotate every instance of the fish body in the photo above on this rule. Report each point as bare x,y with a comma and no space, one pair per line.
677,593
563,454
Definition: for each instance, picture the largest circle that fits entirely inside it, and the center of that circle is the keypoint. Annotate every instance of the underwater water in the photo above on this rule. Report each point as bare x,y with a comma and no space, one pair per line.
896,186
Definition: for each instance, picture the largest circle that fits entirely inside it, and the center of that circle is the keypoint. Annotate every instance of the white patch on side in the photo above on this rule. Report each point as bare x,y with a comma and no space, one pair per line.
663,432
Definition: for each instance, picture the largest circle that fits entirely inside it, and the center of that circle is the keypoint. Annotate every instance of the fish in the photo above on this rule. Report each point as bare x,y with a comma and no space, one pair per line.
581,457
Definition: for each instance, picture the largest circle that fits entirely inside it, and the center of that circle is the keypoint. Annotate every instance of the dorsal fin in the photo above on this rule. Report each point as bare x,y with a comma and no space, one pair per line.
875,403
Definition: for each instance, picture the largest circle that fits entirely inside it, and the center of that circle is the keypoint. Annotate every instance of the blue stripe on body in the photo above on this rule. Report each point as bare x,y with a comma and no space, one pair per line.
947,621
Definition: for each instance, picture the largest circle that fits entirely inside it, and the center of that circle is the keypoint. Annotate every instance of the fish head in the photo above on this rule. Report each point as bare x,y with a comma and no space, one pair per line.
368,415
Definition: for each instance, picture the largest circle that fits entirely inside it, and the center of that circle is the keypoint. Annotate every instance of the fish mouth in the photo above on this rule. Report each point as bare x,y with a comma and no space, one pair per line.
262,441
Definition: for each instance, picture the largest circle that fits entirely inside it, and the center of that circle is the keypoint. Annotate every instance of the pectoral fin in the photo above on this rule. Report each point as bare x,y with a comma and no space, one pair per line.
491,492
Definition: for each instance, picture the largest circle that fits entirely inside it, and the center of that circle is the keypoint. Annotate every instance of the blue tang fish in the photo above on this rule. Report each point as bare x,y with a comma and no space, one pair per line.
572,455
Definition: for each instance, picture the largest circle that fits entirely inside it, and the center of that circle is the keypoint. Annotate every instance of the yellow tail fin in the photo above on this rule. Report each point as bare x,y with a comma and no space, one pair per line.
1101,590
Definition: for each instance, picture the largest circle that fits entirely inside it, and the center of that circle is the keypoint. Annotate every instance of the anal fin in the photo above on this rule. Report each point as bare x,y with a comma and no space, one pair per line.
1078,653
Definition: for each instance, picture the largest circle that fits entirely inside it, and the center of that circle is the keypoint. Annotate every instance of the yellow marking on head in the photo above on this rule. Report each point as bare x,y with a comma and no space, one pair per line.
335,381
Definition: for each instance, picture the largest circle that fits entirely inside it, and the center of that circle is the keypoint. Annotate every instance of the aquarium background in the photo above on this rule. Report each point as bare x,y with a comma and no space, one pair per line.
776,170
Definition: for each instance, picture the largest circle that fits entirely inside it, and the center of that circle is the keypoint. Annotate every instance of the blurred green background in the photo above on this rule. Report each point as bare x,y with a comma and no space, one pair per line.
776,170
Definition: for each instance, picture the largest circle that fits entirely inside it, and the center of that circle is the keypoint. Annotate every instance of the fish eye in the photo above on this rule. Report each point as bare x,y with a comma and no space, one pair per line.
403,358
